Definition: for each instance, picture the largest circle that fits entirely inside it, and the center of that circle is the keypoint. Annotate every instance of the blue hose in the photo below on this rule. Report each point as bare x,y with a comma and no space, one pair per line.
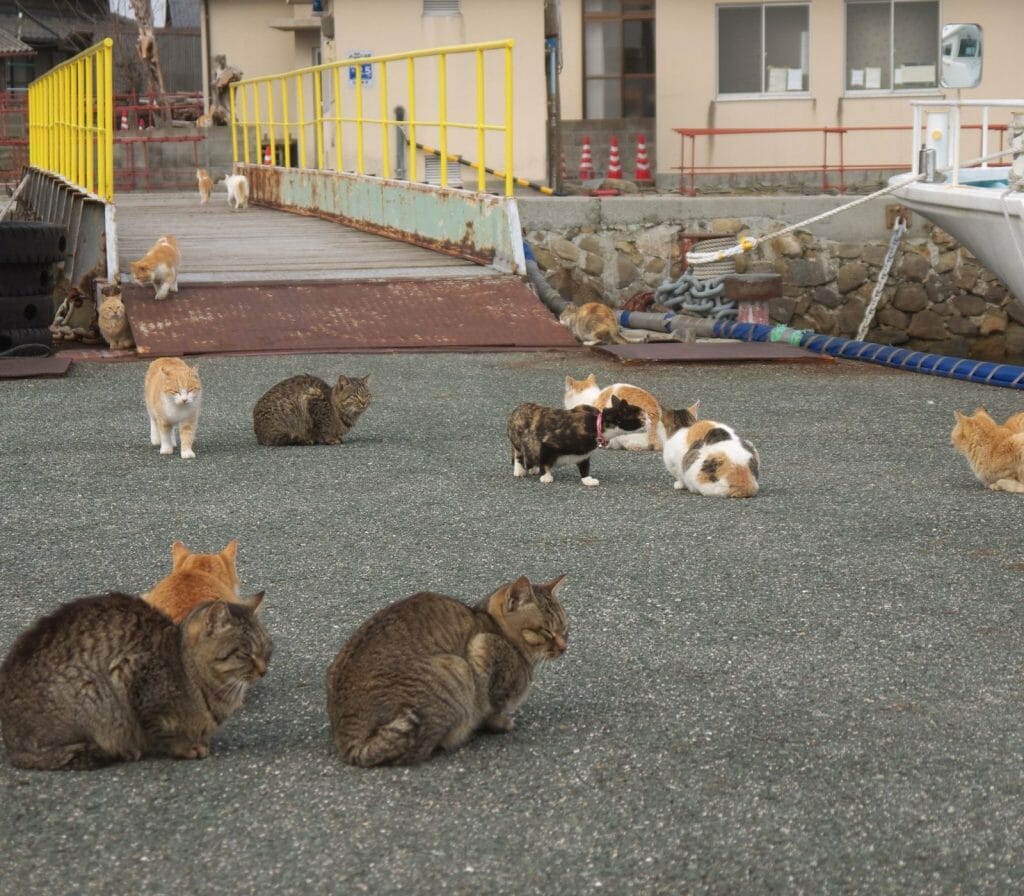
1007,375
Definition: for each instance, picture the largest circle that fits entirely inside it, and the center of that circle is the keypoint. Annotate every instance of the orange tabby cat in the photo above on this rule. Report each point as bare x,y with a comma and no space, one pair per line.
995,452
113,323
593,323
205,185
587,391
174,396
195,578
159,266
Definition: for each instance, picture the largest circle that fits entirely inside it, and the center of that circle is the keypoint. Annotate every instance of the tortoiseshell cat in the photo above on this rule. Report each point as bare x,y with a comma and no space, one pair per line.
994,451
195,578
587,391
304,410
159,266
110,678
544,437
174,397
426,672
593,323
708,457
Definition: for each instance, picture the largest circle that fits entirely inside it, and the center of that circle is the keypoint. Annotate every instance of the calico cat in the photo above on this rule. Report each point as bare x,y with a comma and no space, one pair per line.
544,437
593,323
195,578
174,397
304,410
238,190
110,678
587,391
205,185
113,323
995,452
708,457
159,266
428,671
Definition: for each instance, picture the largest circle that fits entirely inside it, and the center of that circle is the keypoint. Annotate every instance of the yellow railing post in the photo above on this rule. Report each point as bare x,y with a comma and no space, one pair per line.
71,128
295,87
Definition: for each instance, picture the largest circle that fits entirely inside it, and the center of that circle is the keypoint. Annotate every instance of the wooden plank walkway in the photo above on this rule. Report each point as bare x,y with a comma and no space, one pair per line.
220,245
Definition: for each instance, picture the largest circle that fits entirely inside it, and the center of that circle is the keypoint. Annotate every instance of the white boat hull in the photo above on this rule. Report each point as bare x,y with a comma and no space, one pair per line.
976,217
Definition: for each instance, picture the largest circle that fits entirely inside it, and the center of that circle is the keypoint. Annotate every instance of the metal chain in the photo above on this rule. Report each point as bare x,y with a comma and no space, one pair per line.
899,227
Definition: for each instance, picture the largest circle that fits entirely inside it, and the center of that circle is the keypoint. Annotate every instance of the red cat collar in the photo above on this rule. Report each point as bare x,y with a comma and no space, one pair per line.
601,440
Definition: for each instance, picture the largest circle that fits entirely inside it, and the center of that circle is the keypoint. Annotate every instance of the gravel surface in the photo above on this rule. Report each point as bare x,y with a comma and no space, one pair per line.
814,691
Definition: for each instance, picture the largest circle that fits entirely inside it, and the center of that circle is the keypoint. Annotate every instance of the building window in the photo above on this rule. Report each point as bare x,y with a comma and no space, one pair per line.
763,49
441,8
618,58
892,44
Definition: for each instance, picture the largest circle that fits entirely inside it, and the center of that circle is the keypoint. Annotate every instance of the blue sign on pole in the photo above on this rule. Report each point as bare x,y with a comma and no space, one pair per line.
364,69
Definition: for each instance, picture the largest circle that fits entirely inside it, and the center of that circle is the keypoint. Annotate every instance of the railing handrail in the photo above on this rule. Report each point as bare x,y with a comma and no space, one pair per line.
70,115
249,124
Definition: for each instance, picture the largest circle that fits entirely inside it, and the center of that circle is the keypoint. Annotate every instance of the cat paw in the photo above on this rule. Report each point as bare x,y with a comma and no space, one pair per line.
590,480
678,485
187,455
499,723
166,449
547,477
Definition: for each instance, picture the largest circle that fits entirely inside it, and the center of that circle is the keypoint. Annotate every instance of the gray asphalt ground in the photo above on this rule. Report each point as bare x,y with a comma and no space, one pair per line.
815,691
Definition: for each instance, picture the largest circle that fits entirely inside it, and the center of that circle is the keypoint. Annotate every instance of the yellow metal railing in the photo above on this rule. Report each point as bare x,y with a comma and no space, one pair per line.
70,120
318,117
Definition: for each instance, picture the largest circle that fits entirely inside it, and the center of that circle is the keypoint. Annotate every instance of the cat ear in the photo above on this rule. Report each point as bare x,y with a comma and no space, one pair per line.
591,379
694,408
555,584
179,552
231,550
519,593
217,617
253,602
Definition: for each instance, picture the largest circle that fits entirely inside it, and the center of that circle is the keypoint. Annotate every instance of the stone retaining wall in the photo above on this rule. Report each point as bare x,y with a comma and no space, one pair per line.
937,297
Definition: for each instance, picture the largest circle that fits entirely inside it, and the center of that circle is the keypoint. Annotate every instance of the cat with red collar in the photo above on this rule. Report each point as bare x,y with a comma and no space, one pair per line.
543,437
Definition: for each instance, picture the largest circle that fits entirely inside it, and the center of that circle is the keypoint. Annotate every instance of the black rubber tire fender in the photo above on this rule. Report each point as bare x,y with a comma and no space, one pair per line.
32,242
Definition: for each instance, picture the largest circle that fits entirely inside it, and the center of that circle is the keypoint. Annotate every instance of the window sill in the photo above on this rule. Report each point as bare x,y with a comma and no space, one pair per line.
746,97
881,94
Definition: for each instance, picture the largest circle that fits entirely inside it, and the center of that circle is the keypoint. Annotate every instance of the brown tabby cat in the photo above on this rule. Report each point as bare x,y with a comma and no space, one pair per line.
107,678
428,671
995,452
159,266
205,185
174,397
304,410
195,578
113,323
593,324
587,391
544,437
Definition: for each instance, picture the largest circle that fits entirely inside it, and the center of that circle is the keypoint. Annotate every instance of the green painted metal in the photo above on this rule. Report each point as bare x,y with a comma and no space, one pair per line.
477,226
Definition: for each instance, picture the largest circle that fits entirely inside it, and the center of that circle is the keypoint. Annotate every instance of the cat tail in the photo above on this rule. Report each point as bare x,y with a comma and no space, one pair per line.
623,337
393,742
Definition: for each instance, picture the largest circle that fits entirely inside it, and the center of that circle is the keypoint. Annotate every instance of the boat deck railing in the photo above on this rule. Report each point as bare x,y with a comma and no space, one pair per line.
952,108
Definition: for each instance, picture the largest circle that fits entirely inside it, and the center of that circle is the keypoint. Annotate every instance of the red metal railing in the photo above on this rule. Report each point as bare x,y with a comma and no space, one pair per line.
835,166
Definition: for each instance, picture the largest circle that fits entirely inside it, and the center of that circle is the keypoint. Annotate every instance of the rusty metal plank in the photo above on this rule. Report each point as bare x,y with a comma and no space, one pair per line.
498,312
22,368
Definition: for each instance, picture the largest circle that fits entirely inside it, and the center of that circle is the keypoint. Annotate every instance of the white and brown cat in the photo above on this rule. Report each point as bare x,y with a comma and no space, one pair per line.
994,451
238,190
159,266
174,397
587,391
708,458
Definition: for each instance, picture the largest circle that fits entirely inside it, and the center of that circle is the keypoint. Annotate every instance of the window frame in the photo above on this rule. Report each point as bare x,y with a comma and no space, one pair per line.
764,94
850,91
622,15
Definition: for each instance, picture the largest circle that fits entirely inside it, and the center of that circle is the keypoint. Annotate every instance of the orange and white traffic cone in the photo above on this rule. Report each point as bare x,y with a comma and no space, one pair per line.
124,121
586,163
614,163
266,155
643,167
